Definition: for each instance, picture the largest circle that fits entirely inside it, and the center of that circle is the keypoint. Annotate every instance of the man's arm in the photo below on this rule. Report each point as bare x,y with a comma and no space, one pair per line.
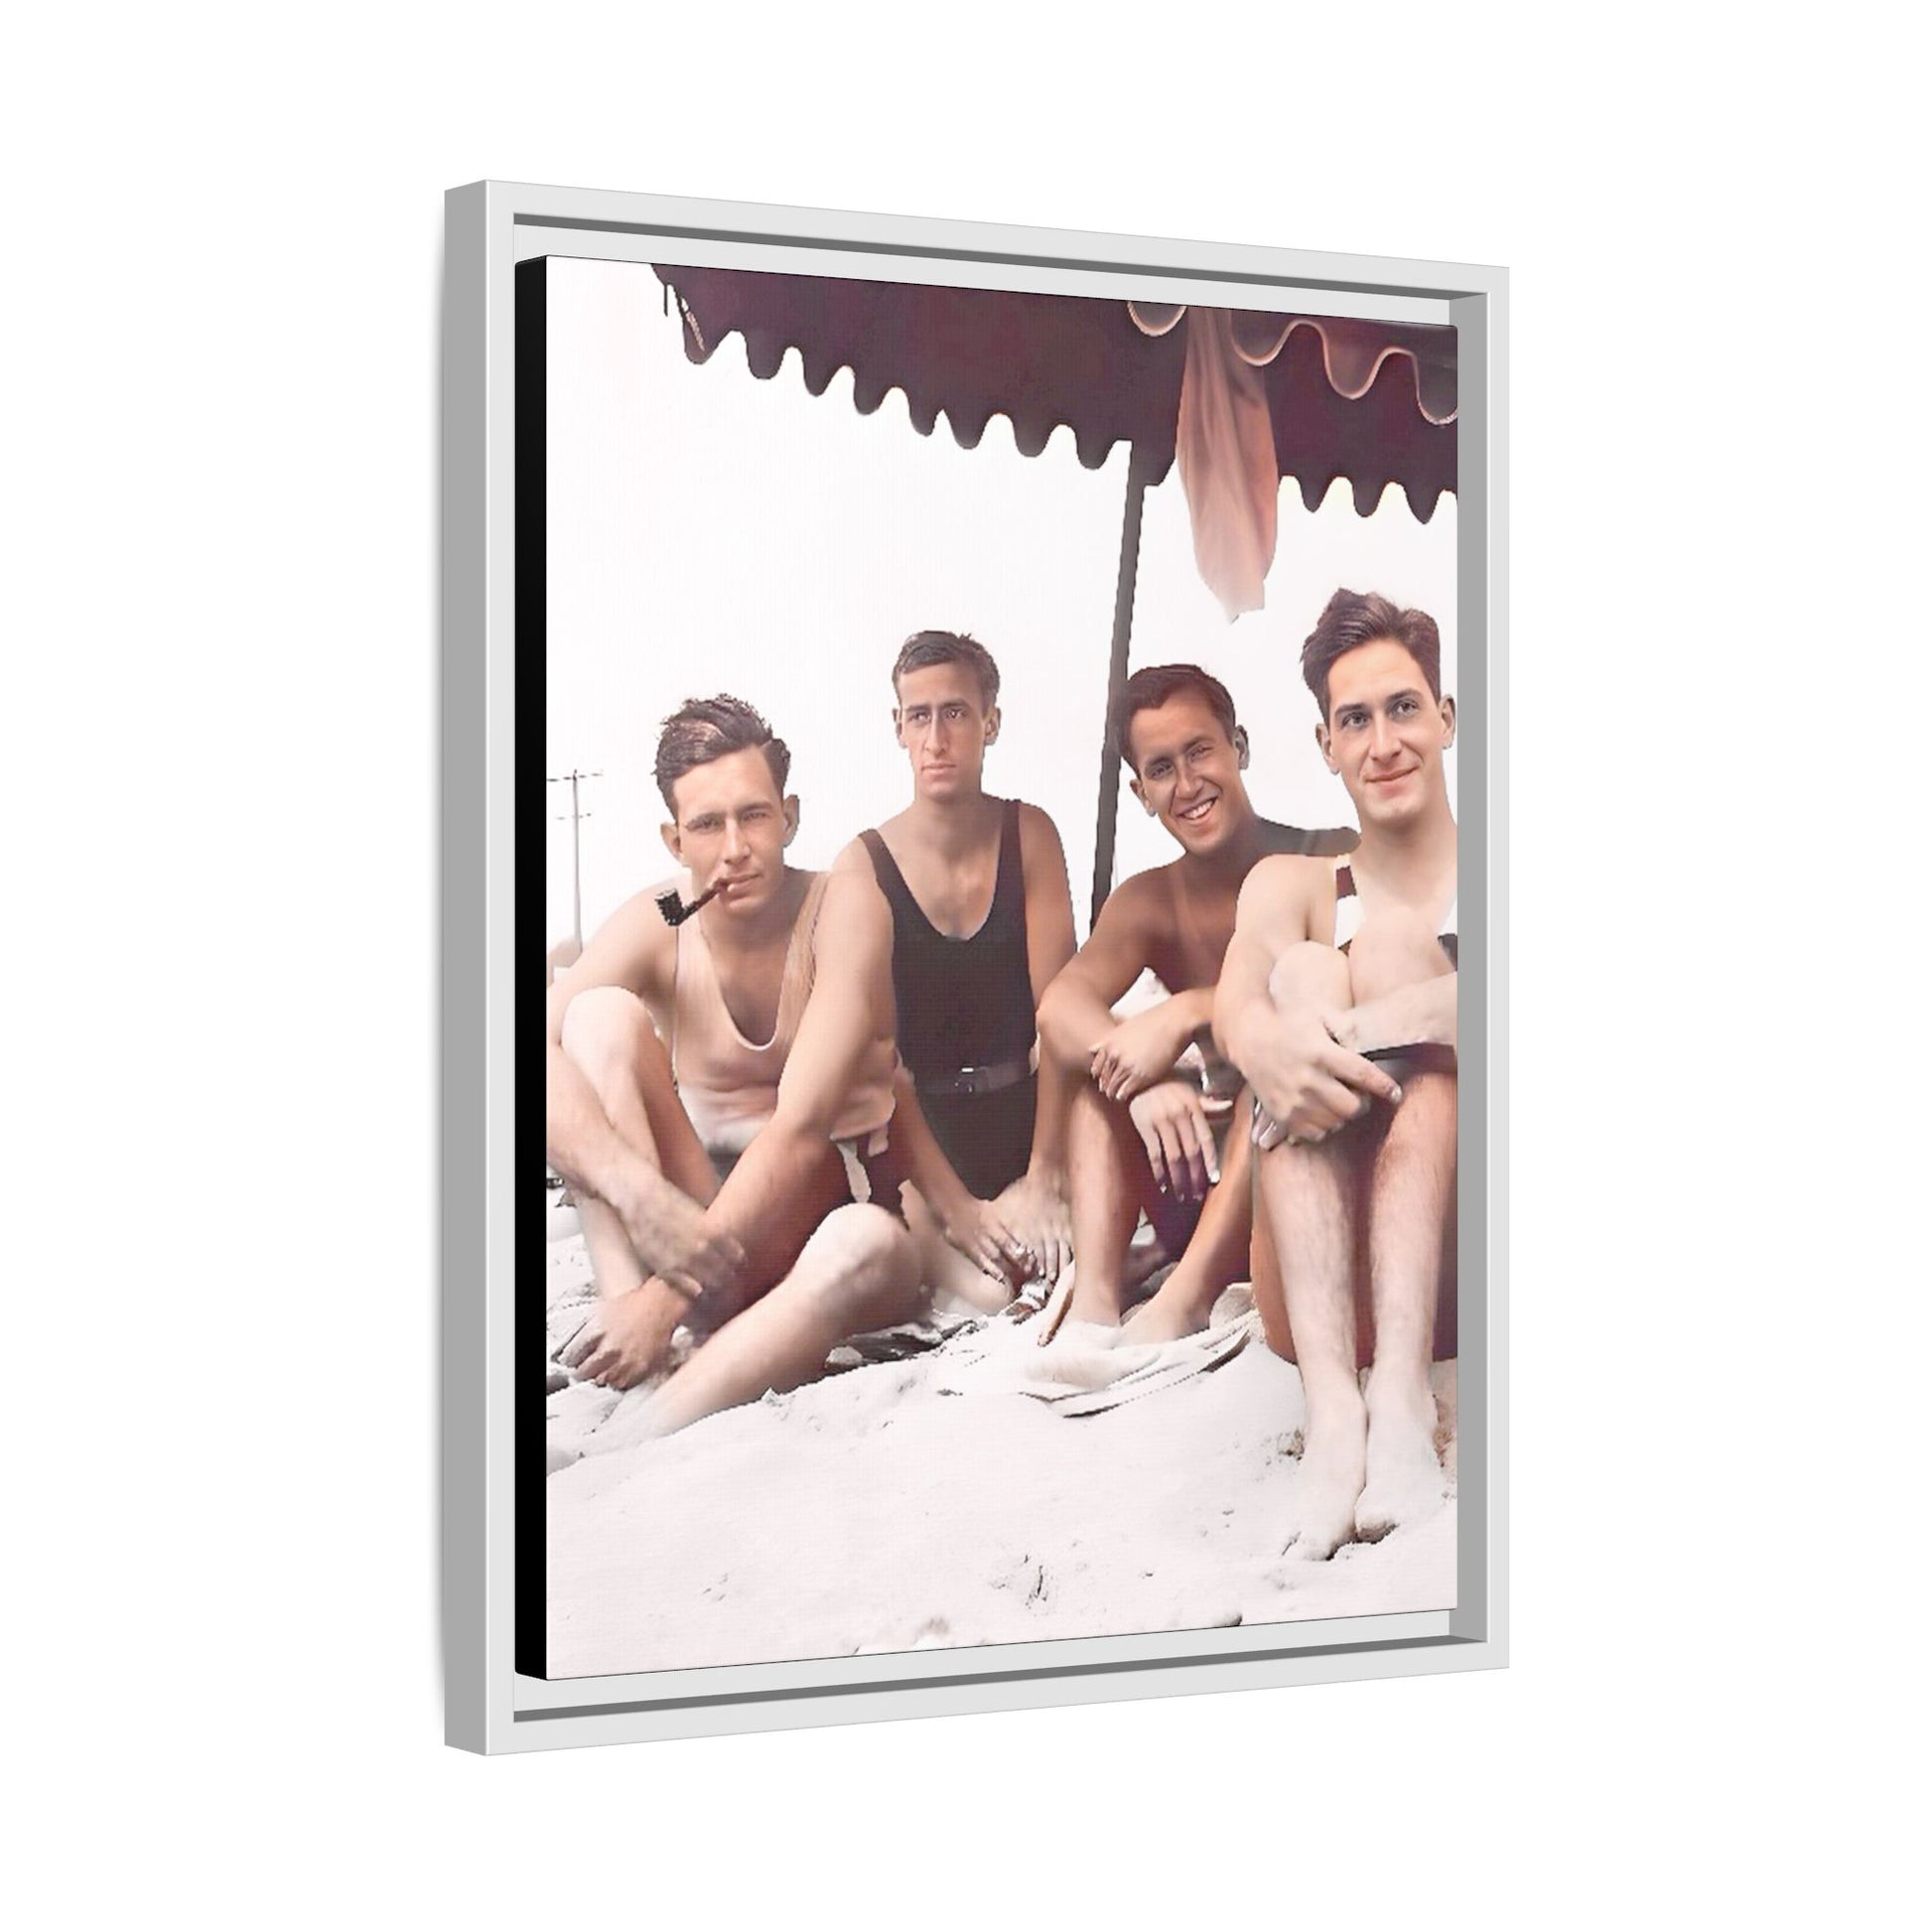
852,857
1049,899
579,1141
1076,1013
1412,1016
667,1231
1276,911
1300,1074
1122,1057
1049,946
851,1005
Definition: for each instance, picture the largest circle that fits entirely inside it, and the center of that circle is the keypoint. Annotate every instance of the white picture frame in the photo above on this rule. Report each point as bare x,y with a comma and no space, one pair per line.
489,1705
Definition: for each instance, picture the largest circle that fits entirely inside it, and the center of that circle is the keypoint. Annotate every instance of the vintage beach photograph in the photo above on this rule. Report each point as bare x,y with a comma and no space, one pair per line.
998,843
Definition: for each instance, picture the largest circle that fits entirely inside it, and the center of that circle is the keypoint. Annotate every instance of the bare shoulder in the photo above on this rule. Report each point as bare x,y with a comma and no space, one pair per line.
1283,884
1038,834
634,948
853,910
1145,900
853,858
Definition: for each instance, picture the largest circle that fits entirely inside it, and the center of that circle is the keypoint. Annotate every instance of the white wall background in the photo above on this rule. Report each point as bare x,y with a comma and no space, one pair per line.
219,520
711,532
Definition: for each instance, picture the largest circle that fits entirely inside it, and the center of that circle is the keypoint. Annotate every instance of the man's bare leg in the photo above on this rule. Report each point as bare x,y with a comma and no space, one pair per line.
609,1037
1409,1193
1218,1253
1308,1196
944,1270
858,1271
1408,1190
1108,1177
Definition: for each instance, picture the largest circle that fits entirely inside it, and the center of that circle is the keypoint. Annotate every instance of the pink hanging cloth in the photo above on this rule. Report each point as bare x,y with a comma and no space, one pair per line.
1225,443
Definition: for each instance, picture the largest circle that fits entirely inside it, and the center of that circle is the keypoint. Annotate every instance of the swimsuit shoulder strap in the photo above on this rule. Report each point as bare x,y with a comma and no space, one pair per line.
1348,904
892,881
1009,882
801,967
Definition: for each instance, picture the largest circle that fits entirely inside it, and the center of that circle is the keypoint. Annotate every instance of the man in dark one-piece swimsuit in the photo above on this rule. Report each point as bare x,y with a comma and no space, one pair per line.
982,921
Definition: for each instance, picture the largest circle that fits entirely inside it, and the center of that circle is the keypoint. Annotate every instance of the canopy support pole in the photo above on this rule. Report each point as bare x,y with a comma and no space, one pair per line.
1130,568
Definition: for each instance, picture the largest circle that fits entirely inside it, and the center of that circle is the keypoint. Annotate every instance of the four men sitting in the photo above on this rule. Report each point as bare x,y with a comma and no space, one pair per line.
794,1106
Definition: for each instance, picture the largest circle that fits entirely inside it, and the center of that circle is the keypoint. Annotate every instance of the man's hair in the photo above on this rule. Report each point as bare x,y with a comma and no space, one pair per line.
1149,688
1353,620
703,730
926,649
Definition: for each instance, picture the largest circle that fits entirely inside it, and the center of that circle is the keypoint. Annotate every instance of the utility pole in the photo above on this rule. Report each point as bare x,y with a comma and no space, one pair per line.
573,779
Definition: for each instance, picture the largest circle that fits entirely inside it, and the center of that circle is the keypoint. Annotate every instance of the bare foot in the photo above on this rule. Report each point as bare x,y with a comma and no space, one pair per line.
1094,1300
1082,1355
1328,1482
1166,1318
1405,1477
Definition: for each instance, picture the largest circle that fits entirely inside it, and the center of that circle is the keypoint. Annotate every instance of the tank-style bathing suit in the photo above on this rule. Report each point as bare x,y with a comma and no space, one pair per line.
1349,915
966,1019
1348,921
729,1085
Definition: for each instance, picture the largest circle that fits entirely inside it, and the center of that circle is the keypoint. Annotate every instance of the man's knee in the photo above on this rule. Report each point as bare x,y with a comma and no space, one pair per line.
858,1259
1309,973
1393,950
606,1028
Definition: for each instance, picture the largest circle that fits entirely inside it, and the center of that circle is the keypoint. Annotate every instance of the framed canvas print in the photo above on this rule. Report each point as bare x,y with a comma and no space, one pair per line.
974,867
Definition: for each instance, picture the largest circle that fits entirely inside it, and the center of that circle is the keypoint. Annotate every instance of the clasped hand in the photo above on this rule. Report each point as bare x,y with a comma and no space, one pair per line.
1307,1085
1036,1211
1136,1053
627,1336
979,1230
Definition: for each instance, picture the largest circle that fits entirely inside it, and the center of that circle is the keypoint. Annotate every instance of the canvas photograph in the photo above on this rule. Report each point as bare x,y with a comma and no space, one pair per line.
986,798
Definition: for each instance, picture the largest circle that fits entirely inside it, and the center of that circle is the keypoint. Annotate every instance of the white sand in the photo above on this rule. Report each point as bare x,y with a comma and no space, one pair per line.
930,1502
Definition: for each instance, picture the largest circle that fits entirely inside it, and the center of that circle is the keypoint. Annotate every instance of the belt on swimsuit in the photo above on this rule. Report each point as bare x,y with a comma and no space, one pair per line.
976,1079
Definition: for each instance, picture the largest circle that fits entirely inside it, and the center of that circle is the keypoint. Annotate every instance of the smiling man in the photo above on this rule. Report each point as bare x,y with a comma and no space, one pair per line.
1144,1132
1338,1002
753,1038
982,921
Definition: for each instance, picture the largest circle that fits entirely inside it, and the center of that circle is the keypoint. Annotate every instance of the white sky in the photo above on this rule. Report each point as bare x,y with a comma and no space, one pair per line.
710,532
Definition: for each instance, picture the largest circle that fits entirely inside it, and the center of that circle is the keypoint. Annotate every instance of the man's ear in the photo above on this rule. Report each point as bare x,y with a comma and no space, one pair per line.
1241,747
1134,785
1328,756
1447,708
899,726
993,724
792,817
674,841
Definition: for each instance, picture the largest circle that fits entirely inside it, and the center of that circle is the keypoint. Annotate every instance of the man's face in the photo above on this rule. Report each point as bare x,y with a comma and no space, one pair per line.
1187,772
730,829
1386,735
945,728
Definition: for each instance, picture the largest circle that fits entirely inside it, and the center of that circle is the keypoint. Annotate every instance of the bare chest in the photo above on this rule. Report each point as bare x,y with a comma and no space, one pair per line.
1190,950
750,983
954,893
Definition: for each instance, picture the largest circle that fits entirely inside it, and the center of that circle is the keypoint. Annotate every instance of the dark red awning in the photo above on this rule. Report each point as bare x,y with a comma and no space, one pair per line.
1371,402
